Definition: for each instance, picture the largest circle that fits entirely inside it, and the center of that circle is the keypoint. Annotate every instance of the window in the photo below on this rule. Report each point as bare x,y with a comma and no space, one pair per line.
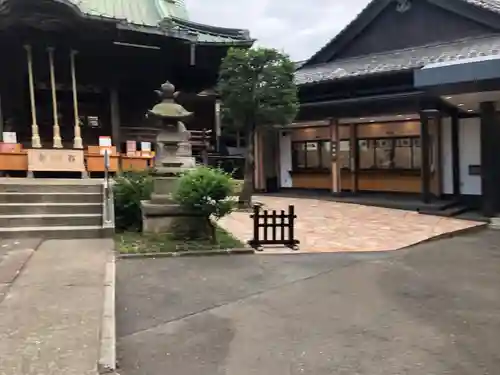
390,153
311,155
384,153
417,153
366,153
344,154
326,154
403,154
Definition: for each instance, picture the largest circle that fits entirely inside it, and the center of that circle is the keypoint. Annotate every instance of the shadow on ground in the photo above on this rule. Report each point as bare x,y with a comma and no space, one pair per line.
432,309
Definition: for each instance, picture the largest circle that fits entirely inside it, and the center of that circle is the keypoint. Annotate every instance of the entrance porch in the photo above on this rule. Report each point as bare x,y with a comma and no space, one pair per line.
471,88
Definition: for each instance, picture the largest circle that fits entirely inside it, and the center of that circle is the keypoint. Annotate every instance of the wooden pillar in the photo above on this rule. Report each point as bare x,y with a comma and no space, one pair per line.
489,159
334,147
115,118
354,158
77,141
455,154
57,142
35,135
425,149
436,160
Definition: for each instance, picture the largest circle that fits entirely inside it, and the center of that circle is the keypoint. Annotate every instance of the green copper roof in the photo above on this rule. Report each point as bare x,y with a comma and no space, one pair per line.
144,12
153,14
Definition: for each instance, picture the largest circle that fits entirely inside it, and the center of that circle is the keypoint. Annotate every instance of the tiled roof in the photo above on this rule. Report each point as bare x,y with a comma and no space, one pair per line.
144,12
298,64
492,5
412,58
151,13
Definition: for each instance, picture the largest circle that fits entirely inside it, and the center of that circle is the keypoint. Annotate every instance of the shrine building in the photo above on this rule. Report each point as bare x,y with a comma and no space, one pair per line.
78,76
400,108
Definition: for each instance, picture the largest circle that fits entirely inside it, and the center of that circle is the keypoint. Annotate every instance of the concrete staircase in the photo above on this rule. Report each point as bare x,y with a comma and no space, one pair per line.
52,208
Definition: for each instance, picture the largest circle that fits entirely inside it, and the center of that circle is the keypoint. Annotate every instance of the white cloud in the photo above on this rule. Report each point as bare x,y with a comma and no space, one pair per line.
298,27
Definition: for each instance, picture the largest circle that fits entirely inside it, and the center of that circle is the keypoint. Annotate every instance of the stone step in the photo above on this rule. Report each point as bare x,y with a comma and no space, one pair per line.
50,208
49,188
66,232
49,220
52,197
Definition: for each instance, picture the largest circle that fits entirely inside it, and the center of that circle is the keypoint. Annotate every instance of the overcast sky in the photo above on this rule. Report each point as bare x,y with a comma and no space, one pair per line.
299,27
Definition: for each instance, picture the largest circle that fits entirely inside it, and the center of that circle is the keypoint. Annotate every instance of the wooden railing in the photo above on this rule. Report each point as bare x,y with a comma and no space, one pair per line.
280,225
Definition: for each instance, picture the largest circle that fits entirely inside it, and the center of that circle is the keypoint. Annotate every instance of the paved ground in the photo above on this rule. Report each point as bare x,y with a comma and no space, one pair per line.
14,254
50,316
326,226
433,309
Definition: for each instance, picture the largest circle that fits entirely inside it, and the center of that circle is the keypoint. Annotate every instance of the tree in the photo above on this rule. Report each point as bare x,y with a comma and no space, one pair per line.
258,91
207,192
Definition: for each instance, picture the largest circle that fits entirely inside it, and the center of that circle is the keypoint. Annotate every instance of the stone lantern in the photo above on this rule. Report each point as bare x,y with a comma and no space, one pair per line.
173,155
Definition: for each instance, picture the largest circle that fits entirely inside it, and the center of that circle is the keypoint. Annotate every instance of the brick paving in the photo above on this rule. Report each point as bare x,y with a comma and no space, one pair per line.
326,226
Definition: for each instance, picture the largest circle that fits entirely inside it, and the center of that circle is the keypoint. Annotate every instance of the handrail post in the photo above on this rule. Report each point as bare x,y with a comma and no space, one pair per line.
108,194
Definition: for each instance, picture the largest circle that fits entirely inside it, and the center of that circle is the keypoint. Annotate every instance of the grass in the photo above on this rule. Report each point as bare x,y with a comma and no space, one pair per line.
139,243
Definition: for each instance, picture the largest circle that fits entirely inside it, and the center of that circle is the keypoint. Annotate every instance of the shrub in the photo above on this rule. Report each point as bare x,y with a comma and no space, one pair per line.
129,189
206,191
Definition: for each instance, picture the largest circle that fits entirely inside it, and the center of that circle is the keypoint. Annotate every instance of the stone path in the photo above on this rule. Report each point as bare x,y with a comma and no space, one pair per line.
51,314
326,226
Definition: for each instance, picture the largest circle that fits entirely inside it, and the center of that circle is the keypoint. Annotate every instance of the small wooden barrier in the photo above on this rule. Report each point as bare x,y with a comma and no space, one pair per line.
281,225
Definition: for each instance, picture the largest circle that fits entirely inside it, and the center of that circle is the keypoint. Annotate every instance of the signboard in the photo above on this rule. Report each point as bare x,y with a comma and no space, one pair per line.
9,137
40,160
474,170
146,148
311,146
345,146
334,151
93,122
105,141
131,148
105,144
9,147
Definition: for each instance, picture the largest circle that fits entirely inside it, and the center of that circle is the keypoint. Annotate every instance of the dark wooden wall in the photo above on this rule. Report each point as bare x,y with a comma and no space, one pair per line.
423,24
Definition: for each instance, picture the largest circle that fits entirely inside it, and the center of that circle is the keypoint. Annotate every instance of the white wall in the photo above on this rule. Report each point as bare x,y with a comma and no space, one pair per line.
285,160
470,154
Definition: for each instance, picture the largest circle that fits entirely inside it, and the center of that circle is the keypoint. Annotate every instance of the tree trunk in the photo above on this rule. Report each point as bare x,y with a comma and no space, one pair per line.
245,198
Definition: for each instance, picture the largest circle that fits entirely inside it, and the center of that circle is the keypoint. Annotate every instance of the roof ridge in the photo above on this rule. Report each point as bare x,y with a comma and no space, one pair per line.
491,5
393,52
402,60
488,5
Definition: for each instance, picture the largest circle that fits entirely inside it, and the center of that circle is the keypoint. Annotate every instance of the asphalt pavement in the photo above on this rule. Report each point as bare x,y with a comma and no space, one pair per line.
431,309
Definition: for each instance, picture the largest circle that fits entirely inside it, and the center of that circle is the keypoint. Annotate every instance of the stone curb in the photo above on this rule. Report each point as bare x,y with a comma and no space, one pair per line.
470,230
107,348
187,254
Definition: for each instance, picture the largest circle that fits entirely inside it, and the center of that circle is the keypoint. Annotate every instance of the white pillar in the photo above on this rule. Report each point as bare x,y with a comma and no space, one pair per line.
77,142
57,132
35,136
218,129
1,120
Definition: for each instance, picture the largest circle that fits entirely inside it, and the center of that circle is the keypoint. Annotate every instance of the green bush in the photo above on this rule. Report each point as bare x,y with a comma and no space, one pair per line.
206,191
129,189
